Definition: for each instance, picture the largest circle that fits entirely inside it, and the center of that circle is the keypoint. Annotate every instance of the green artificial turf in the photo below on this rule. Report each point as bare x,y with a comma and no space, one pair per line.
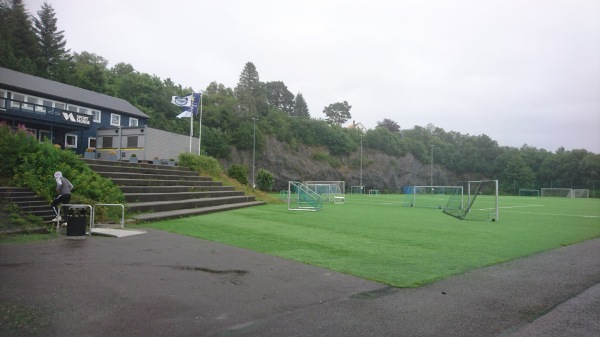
375,238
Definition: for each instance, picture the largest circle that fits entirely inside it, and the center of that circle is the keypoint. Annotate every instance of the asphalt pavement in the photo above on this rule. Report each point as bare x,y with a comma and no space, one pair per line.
164,284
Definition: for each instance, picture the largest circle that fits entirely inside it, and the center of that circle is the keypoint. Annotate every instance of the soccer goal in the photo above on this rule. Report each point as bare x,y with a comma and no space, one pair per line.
581,193
557,192
302,198
565,193
374,193
523,192
430,196
478,202
357,189
328,190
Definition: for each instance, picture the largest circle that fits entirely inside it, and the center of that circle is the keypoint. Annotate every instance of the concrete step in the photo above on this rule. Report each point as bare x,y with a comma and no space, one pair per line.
160,182
170,176
174,189
148,197
162,206
157,216
144,169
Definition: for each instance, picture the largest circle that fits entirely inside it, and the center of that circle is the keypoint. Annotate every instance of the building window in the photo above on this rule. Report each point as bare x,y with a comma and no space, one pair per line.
107,142
132,141
16,100
92,142
70,141
44,134
115,119
60,106
97,116
34,105
2,99
72,108
133,121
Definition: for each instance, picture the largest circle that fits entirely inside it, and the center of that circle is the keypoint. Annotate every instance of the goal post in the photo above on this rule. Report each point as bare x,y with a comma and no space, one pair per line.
479,201
430,196
302,198
565,192
328,190
523,192
357,189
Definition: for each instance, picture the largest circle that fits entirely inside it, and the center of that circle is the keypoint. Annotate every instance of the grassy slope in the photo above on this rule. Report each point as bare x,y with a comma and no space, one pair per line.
375,238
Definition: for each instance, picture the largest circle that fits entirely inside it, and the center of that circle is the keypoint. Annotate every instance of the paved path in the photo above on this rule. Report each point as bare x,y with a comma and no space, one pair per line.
163,284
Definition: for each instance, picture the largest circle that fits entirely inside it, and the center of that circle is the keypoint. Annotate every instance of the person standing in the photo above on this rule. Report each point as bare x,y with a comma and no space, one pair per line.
63,188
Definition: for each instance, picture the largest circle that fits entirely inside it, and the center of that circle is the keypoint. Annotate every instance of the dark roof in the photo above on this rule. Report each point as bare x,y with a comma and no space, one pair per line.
65,93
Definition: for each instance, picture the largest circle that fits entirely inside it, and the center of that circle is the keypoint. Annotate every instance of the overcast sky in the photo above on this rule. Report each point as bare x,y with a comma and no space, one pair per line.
519,71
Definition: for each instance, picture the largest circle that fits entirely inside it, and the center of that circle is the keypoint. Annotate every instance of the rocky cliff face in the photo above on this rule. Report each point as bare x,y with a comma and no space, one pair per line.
302,163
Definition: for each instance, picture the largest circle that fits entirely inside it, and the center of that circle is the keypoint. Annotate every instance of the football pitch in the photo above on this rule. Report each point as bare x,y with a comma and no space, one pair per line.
375,238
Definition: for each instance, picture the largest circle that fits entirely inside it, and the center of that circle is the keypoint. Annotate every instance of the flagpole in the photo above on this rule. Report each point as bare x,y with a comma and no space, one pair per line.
200,127
191,128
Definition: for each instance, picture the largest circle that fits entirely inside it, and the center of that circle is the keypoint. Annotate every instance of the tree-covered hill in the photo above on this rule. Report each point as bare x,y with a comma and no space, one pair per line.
35,45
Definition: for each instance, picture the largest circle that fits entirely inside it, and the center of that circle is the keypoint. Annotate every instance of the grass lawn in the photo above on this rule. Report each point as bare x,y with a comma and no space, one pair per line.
375,238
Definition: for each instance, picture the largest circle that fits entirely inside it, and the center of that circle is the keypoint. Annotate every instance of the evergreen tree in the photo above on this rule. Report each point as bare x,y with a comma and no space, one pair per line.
18,43
54,58
250,93
300,107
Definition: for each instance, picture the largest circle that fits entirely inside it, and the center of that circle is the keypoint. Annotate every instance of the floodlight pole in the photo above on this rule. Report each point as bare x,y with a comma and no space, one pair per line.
431,165
361,170
253,151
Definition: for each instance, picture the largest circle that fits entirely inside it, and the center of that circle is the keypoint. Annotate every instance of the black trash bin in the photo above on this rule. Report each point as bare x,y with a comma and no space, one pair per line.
77,220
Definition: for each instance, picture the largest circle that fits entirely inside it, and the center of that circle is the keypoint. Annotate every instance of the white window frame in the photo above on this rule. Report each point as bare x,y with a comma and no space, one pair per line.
97,115
114,116
132,120
2,99
90,140
75,137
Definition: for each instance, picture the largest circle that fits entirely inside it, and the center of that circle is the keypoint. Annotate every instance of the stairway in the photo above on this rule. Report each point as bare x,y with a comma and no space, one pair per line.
28,202
159,192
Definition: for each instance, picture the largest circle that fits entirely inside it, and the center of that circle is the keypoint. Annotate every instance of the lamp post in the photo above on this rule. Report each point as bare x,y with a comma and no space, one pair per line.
253,150
361,172
431,183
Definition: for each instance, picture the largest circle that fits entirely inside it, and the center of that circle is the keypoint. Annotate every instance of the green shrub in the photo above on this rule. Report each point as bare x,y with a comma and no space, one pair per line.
202,164
264,180
239,173
34,164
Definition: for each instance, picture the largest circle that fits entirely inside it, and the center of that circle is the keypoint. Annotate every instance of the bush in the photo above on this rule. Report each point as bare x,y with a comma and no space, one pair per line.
239,173
202,164
264,180
33,165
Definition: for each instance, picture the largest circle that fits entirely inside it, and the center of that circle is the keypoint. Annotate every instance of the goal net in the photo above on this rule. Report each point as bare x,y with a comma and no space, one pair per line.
357,189
528,193
430,196
557,192
302,198
478,202
581,193
328,190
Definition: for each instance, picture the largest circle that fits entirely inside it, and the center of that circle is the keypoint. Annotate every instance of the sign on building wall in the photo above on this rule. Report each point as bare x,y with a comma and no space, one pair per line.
75,117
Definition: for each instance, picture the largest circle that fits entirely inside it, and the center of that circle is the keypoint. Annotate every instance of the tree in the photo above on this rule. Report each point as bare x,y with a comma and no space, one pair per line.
90,72
250,93
300,107
18,43
54,57
389,124
279,96
337,113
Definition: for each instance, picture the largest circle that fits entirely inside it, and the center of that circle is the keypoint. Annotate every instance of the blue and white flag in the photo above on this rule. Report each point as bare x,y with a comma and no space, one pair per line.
195,103
184,114
182,101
